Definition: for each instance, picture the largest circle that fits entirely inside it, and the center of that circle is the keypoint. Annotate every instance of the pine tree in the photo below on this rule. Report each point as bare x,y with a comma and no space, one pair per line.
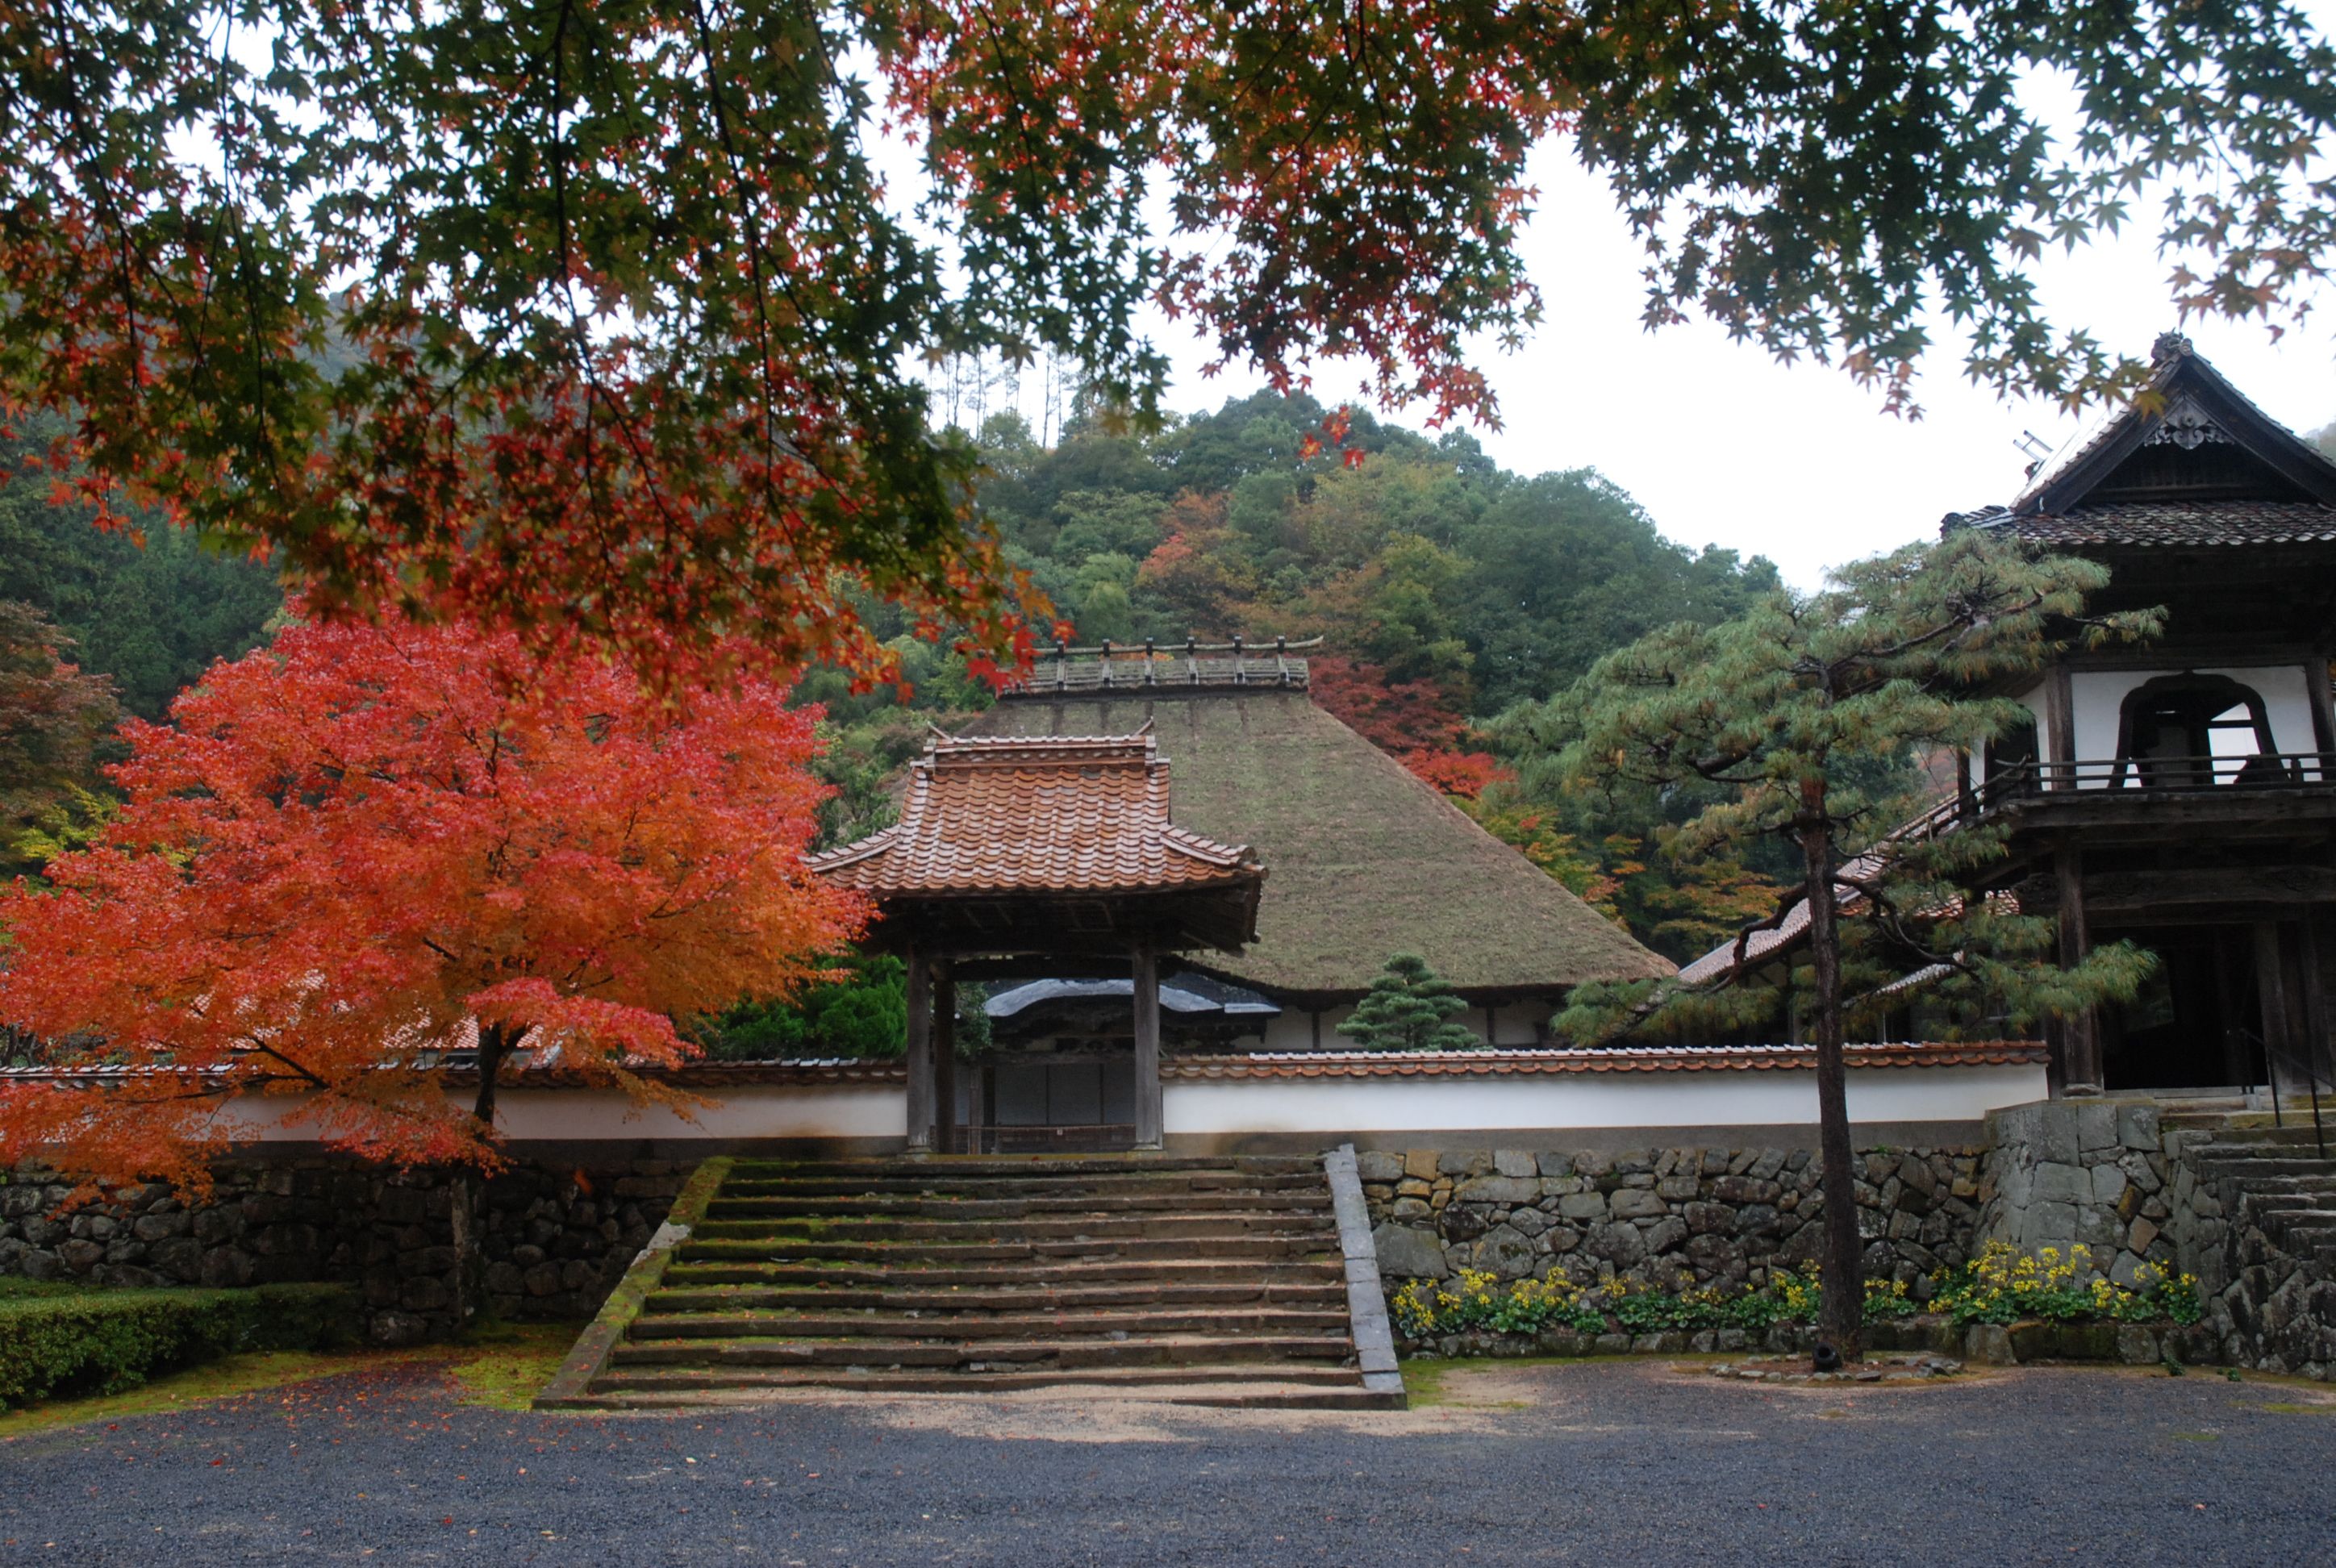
1789,708
1409,1009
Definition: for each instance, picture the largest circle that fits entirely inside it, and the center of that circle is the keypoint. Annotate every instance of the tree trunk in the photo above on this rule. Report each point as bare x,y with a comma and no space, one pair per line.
495,1042
1844,1273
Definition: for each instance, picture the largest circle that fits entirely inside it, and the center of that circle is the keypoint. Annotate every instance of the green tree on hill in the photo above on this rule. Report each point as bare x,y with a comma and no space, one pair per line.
1775,720
1409,1009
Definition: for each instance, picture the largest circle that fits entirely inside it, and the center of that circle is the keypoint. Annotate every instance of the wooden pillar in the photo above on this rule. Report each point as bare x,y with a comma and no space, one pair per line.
920,1053
2279,1009
1147,969
944,1058
2314,1044
2061,717
2324,715
2080,1041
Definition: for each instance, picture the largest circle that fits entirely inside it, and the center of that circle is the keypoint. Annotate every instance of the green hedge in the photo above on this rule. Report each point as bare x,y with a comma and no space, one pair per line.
109,1340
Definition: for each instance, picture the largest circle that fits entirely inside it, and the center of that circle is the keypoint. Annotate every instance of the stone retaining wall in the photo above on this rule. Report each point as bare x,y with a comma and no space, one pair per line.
2061,1173
1675,1218
425,1249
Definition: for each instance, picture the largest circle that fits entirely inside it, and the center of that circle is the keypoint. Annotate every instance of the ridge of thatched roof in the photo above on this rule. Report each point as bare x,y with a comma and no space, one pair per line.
1364,860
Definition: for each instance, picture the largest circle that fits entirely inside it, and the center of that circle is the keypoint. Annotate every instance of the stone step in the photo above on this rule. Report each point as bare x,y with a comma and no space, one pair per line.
941,1184
2220,1162
985,1210
917,1255
2295,1218
939,1167
1224,1387
1023,1275
1197,1228
1325,1295
676,1379
1025,1355
971,1323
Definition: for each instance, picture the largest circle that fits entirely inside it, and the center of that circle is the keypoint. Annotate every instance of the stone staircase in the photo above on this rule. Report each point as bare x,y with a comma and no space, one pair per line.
1197,1281
2277,1179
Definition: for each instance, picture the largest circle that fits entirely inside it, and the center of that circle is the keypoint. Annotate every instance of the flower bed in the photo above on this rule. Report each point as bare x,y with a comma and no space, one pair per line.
1480,1313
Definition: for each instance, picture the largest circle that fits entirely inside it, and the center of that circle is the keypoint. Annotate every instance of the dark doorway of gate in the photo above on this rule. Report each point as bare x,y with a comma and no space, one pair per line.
2197,1022
1075,1100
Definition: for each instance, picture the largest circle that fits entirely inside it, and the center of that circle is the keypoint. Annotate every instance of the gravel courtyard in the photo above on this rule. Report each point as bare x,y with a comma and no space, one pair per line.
1608,1465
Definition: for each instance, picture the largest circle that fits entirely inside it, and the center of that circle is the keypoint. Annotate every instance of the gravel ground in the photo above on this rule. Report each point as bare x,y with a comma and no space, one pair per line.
1612,1464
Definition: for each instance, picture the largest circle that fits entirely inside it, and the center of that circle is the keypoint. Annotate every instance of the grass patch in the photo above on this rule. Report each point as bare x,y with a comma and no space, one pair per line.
500,1367
2289,1407
221,1379
505,1364
1426,1378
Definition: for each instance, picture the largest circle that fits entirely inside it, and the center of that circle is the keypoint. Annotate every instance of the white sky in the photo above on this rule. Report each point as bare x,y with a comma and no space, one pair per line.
1724,446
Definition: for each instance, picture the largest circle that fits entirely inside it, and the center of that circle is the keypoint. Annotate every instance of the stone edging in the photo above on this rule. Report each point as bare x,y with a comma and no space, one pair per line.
566,1389
1366,1313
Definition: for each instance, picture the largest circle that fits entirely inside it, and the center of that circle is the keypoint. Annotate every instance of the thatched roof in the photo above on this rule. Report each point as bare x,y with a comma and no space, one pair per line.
1363,860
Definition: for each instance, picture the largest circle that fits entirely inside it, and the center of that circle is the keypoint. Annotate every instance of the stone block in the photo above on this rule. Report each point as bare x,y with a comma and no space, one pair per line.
1665,1234
2109,1183
1745,1189
1507,1190
1709,1218
2049,1225
1409,1252
2058,1184
80,1255
179,1257
1516,1164
1378,1165
1583,1207
1419,1163
2096,1124
2136,1125
1632,1203
1401,1209
1463,1162
1618,1244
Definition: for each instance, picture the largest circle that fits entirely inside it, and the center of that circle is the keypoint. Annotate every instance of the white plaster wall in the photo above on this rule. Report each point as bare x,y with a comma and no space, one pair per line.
2098,697
2033,700
742,1111
1294,1029
1561,1101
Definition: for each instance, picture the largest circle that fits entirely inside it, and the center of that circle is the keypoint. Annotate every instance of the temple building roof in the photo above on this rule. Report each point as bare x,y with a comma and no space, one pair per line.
1078,825
1366,860
2189,462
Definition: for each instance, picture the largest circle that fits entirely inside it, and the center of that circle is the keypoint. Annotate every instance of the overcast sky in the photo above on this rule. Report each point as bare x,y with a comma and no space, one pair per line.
1723,445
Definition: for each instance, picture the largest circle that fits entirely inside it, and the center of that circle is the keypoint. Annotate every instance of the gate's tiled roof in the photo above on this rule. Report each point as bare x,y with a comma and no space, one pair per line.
1044,814
2169,524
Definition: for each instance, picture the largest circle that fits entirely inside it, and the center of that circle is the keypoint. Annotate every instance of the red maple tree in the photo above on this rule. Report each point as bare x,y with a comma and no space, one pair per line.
365,845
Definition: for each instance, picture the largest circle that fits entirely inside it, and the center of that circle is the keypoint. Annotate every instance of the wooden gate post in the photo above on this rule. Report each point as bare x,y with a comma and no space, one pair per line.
1146,969
919,1053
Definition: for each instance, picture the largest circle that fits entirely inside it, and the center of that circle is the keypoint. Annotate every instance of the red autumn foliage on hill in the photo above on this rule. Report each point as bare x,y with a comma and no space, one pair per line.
361,846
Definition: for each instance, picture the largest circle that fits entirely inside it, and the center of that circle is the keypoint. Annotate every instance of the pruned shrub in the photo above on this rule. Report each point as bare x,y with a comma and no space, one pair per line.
109,1340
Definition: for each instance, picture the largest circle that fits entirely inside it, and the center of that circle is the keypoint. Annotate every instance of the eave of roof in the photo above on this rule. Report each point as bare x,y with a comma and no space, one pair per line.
986,816
2062,481
1623,1059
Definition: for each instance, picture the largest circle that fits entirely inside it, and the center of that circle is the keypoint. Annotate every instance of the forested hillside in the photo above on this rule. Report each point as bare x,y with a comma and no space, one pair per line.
1449,591
151,610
